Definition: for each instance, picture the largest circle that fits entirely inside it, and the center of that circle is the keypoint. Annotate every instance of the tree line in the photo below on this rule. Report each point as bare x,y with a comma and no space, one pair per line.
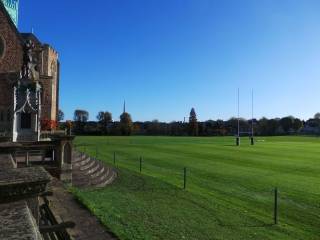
105,125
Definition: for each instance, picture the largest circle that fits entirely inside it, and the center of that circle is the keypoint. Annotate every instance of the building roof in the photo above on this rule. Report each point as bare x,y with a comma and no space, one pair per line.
21,36
13,26
31,36
12,7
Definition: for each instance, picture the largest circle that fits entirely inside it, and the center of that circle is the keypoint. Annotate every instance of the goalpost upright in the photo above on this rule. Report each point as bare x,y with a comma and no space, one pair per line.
251,134
238,136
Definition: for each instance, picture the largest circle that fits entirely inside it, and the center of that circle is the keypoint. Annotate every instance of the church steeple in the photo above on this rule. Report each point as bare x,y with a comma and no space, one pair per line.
124,106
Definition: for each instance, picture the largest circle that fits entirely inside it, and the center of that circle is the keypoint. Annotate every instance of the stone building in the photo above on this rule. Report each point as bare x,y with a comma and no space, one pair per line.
19,122
34,163
29,90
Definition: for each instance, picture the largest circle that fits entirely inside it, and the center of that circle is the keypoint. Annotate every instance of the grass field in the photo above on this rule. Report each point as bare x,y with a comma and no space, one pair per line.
229,191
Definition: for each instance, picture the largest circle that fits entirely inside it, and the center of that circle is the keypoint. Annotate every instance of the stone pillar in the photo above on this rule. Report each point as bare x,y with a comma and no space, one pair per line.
64,152
15,125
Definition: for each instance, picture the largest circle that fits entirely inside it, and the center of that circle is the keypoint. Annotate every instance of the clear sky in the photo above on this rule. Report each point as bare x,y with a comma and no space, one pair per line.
165,56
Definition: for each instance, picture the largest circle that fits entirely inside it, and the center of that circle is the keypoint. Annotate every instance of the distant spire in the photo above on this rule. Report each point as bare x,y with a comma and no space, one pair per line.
124,106
32,30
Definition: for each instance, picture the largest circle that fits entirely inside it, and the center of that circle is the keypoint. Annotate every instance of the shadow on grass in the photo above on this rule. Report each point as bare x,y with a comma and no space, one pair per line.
145,184
262,225
82,204
154,188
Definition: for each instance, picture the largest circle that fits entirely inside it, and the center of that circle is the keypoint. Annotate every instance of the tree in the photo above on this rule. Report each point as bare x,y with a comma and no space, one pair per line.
232,125
153,128
193,123
287,123
263,126
104,118
317,116
220,128
297,124
125,124
80,117
273,126
60,115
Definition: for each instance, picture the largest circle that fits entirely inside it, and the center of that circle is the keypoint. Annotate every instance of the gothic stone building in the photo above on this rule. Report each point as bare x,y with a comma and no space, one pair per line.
46,69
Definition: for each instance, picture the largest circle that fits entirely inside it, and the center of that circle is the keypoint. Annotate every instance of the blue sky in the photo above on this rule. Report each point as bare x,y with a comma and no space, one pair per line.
165,56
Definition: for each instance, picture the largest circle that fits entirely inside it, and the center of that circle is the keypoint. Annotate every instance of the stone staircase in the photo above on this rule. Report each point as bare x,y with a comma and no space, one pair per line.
88,172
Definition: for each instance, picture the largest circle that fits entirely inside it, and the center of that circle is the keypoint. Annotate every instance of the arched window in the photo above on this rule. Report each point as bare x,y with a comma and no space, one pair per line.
67,153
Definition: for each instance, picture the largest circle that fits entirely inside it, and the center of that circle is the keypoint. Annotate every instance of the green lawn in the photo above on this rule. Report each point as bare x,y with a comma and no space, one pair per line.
229,191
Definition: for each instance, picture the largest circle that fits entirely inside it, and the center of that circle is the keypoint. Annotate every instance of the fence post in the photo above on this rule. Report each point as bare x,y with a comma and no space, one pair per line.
114,158
184,178
140,164
275,217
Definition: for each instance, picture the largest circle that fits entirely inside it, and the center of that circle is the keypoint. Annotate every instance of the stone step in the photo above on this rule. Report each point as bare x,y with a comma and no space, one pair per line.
112,178
79,158
82,163
98,173
99,179
88,166
107,181
108,174
93,169
88,172
77,163
80,176
76,155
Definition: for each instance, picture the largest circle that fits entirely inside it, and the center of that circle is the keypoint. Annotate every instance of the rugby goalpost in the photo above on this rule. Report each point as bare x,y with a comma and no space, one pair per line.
250,133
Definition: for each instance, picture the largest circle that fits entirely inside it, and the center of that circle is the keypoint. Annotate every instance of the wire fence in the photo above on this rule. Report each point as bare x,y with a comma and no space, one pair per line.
273,203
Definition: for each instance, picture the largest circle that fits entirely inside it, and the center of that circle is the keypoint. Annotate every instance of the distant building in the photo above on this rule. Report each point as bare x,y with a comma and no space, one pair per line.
21,112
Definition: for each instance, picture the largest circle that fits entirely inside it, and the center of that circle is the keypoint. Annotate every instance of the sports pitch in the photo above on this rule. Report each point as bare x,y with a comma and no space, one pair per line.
229,190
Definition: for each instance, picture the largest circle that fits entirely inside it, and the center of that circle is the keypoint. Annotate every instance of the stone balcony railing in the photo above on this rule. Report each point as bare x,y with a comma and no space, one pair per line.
19,199
46,135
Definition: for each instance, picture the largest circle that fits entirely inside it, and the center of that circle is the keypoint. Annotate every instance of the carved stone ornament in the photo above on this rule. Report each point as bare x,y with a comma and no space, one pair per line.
29,66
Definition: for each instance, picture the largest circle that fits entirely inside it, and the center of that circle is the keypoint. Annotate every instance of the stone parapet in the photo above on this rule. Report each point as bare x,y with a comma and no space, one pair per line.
22,183
17,222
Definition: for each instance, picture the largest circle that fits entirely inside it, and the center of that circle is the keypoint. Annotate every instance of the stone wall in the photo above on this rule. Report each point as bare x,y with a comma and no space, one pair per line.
50,82
12,59
10,64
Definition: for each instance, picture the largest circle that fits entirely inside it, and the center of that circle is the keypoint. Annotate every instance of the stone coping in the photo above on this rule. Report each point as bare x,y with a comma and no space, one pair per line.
9,144
17,222
6,161
7,147
22,183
